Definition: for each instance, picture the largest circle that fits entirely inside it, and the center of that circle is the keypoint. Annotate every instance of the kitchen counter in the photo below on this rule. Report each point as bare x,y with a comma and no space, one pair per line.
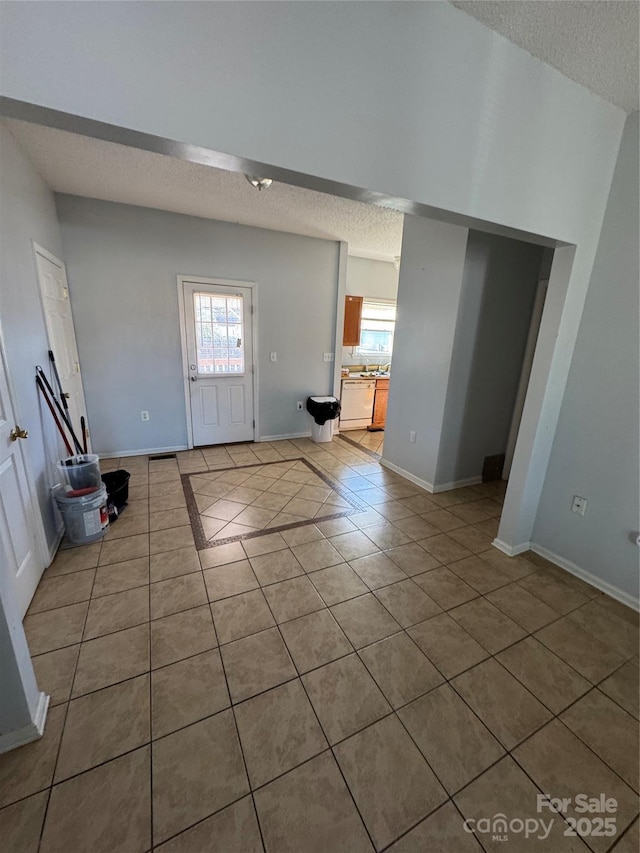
367,376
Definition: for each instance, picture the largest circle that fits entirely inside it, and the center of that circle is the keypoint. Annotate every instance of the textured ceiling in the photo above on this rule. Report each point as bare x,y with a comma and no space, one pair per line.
594,42
80,165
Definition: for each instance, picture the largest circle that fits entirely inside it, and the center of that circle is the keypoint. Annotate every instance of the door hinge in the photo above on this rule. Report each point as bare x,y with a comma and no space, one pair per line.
254,424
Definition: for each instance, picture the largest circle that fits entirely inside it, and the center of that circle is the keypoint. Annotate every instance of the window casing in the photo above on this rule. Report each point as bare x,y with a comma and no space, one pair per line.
377,329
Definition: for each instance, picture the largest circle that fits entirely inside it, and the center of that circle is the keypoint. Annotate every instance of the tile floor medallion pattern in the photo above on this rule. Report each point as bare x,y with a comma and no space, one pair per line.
285,647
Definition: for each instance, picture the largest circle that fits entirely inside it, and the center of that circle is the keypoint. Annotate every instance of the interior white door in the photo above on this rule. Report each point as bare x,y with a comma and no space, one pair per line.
20,553
52,277
219,346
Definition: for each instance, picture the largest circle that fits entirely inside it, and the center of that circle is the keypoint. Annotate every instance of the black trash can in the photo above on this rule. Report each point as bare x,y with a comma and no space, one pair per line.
324,411
117,483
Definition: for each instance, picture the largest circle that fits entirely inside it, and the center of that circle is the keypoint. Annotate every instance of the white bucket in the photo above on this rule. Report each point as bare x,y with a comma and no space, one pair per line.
81,472
86,517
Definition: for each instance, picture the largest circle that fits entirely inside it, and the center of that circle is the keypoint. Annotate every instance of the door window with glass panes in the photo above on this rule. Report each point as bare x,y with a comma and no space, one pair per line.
219,334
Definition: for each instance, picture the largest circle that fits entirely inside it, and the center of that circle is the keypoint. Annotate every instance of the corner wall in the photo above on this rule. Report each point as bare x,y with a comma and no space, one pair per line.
27,212
122,264
596,446
429,289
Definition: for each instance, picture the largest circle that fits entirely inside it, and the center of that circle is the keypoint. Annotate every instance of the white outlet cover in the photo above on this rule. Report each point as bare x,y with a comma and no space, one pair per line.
273,356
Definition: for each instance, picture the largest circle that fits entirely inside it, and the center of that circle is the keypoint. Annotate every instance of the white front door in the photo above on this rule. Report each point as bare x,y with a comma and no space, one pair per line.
52,278
219,367
20,554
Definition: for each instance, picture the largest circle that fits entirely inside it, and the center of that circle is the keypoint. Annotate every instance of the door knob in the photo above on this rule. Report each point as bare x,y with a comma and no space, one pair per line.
194,378
17,433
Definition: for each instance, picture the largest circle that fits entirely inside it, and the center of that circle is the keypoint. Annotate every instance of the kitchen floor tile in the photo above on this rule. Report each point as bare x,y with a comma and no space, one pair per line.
609,731
447,645
231,579
108,808
21,824
391,782
445,587
459,750
364,620
171,564
412,559
377,570
622,687
55,629
316,555
310,809
171,540
176,594
241,616
544,674
314,640
118,577
407,603
292,598
112,658
443,831
557,761
278,730
256,663
276,566
508,710
233,830
525,609
29,768
103,725
54,673
337,583
345,697
592,658
62,590
353,545
196,771
444,548
119,550
479,574
488,625
400,669
187,691
114,612
76,559
181,635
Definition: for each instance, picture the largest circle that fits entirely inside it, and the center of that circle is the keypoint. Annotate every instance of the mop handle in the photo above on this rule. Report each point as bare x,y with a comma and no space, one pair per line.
40,372
53,413
59,384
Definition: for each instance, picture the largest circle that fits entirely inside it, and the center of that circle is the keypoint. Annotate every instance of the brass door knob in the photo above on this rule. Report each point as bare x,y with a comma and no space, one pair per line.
17,433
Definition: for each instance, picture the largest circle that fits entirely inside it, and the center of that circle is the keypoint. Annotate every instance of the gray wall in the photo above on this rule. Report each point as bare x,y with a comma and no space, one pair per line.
595,450
429,290
498,289
122,263
27,212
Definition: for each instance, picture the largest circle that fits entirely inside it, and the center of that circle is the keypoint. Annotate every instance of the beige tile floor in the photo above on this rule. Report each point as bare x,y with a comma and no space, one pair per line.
362,683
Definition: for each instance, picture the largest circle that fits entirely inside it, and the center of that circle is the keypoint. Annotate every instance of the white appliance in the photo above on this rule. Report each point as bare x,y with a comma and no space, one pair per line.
357,403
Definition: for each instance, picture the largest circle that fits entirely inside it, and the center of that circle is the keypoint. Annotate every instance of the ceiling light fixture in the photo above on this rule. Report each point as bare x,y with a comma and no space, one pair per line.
259,183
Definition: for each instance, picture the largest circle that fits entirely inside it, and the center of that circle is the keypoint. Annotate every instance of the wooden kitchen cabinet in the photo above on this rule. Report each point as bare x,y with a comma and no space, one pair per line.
352,320
380,403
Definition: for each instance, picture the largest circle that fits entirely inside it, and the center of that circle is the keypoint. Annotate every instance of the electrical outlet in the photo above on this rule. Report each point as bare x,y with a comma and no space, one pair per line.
299,406
273,356
144,416
412,436
327,356
579,505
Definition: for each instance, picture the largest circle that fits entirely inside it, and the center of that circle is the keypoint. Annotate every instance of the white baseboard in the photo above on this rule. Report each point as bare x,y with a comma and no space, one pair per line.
457,484
284,436
146,452
32,731
587,577
428,487
511,550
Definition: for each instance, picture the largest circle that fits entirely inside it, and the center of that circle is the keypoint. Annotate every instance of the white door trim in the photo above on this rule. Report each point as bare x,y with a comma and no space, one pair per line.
34,506
223,282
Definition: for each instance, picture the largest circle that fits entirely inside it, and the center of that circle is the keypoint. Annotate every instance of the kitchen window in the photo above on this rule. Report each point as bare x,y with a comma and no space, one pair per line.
377,328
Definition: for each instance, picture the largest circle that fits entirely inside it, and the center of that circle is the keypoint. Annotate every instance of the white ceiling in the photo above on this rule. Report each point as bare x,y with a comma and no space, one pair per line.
80,165
594,42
